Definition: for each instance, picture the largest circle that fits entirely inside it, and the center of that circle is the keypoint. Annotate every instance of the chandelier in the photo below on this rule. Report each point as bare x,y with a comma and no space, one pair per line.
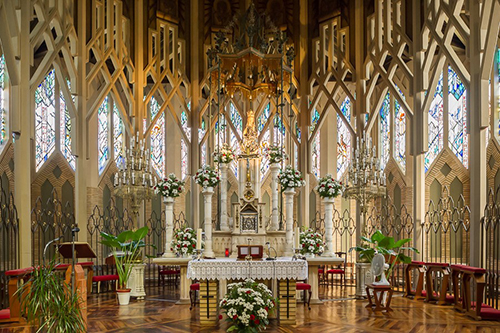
134,179
365,178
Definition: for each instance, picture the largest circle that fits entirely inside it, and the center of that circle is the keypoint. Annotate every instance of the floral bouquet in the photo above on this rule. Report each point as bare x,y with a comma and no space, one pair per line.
207,177
311,242
247,306
328,187
224,154
275,154
290,178
184,241
171,186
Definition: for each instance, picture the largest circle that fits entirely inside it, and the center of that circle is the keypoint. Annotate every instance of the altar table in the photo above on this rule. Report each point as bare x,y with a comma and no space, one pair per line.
284,271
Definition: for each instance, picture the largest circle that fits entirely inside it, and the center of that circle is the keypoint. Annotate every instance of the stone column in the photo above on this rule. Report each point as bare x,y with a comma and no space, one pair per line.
224,226
169,224
207,201
289,193
275,167
136,281
328,227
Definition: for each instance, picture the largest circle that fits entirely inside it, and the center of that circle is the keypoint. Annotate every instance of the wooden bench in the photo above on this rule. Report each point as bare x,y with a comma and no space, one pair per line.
432,294
16,276
418,266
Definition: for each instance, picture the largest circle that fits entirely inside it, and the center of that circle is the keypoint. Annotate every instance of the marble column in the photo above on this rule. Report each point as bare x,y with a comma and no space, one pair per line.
289,193
275,167
169,224
136,281
328,227
207,201
224,226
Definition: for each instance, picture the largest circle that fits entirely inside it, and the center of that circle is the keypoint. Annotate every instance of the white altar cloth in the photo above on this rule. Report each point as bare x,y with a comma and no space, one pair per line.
232,269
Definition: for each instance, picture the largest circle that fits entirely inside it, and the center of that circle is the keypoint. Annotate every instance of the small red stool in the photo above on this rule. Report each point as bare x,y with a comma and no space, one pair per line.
192,294
305,287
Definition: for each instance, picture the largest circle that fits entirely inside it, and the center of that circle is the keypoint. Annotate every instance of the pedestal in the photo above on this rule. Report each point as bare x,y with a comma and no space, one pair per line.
289,193
287,302
328,227
185,285
224,226
207,201
209,302
275,168
169,224
363,277
136,281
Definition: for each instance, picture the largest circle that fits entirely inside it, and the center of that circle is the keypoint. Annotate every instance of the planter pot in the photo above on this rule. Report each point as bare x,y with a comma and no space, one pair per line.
310,255
208,190
123,296
168,199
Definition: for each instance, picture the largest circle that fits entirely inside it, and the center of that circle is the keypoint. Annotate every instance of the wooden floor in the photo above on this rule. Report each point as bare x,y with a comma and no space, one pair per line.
340,313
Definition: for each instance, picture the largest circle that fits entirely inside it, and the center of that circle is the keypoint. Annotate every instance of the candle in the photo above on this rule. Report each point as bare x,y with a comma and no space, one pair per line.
198,239
297,238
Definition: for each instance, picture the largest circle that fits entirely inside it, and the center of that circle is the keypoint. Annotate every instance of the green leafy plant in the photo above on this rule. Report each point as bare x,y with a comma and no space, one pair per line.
386,245
126,249
47,301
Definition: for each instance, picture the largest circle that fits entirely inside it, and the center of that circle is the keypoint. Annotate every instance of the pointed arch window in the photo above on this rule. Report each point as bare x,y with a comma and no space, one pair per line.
65,127
400,133
343,138
385,130
264,165
3,108
103,134
184,146
157,139
45,118
118,134
315,146
263,117
436,125
457,117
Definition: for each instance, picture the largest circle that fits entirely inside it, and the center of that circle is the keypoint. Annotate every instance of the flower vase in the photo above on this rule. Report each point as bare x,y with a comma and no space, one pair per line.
310,255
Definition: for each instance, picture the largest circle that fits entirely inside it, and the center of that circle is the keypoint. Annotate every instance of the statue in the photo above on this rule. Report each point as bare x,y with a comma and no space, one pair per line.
250,144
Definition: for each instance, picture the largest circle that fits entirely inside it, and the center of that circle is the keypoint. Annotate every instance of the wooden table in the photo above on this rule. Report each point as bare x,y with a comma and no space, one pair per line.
312,279
185,282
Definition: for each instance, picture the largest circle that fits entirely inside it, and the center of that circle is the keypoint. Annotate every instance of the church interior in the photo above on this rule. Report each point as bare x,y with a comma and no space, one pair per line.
249,165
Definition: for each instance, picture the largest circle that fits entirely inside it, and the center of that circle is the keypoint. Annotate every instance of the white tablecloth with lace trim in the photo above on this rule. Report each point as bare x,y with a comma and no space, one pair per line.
232,269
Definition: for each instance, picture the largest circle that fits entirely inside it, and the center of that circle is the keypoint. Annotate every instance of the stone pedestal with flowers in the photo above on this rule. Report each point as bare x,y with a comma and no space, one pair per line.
223,157
328,189
275,154
169,188
289,179
207,177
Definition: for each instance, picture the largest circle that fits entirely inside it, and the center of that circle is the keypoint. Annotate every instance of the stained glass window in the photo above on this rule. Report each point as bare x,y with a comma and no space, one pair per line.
157,138
457,117
184,159
400,134
385,131
236,119
343,139
117,135
3,110
65,128
263,117
204,154
298,131
45,115
235,145
316,156
221,135
279,130
314,119
435,125
184,124
103,134
264,165
202,130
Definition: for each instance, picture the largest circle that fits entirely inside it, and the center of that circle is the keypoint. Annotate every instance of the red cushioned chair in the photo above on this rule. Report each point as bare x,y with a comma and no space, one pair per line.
305,287
338,270
106,279
169,273
192,294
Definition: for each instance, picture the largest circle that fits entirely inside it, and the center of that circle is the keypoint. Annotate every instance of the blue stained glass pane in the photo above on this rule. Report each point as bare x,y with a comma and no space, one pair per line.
279,127
221,135
157,139
65,128
3,111
314,119
236,119
298,131
400,134
45,114
385,131
343,138
118,130
103,134
457,117
263,117
435,125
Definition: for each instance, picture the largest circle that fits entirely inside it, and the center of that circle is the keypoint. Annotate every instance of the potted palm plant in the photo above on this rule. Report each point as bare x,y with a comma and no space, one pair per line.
126,249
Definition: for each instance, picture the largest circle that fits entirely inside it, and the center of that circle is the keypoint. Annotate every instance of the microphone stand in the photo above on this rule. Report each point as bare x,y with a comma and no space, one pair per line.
47,246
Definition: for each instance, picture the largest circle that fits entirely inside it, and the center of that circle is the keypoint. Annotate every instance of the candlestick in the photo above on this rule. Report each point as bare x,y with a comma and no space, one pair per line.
198,239
297,238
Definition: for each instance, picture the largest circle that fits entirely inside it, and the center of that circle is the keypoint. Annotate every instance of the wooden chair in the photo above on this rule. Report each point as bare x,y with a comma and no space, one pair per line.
195,287
305,287
169,273
339,269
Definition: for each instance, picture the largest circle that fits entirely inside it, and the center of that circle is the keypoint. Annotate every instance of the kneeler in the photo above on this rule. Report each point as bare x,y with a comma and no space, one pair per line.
432,294
420,268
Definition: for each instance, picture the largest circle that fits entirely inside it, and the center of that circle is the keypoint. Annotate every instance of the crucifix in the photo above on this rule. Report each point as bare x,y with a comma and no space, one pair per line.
288,296
208,296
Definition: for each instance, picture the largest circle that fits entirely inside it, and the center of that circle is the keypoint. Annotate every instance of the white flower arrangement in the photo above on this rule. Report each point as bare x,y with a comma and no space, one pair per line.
207,177
311,242
184,241
224,154
171,186
328,187
247,306
275,154
290,178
